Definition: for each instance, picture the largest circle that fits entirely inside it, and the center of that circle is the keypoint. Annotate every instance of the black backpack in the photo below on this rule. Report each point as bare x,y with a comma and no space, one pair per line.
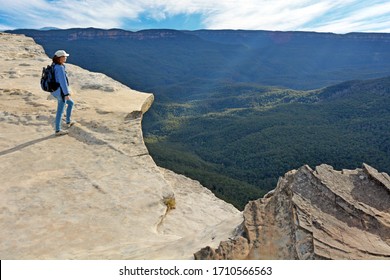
48,81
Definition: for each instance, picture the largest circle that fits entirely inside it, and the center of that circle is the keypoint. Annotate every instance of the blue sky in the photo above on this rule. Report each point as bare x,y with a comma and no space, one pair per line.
337,16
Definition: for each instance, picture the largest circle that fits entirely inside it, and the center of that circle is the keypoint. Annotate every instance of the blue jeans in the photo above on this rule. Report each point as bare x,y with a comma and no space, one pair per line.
60,111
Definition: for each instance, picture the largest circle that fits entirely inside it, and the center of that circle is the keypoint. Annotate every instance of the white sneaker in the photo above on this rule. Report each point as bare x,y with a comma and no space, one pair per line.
70,124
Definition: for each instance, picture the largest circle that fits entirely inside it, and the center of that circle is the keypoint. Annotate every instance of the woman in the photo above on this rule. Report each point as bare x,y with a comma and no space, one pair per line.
63,92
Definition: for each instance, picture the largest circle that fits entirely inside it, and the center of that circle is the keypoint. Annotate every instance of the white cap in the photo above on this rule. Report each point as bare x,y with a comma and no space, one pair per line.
60,53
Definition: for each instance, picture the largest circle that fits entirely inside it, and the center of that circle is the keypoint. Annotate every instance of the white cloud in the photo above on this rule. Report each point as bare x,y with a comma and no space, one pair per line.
267,14
373,18
70,13
5,27
317,15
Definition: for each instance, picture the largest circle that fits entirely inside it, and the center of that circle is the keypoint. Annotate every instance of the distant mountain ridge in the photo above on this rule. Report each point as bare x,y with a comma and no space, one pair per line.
167,59
223,36
95,33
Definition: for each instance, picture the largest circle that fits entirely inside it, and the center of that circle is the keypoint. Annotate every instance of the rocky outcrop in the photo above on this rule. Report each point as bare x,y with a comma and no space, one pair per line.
95,193
315,214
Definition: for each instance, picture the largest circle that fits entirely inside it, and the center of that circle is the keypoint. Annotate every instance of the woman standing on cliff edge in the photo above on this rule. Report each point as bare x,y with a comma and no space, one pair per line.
63,92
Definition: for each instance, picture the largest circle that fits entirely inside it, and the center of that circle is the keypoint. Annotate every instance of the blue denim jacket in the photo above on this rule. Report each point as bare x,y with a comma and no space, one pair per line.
62,80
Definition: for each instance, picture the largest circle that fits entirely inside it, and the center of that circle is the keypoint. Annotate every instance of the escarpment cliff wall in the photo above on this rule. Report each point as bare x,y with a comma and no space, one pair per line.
95,193
316,214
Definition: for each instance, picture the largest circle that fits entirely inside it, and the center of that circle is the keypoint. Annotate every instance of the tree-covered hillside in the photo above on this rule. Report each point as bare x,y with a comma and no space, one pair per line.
261,134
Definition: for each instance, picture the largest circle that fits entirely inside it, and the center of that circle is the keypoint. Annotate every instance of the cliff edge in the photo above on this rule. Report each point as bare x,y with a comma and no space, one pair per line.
95,193
315,214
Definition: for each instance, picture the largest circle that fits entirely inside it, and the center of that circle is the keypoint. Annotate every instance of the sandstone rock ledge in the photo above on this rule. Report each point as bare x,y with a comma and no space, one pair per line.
95,193
315,214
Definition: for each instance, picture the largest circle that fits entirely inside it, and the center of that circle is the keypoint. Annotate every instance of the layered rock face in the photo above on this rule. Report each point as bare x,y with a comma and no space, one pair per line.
315,214
95,193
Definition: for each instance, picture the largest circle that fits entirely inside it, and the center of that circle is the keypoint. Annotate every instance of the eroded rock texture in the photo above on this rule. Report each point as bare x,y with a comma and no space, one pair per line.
316,214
